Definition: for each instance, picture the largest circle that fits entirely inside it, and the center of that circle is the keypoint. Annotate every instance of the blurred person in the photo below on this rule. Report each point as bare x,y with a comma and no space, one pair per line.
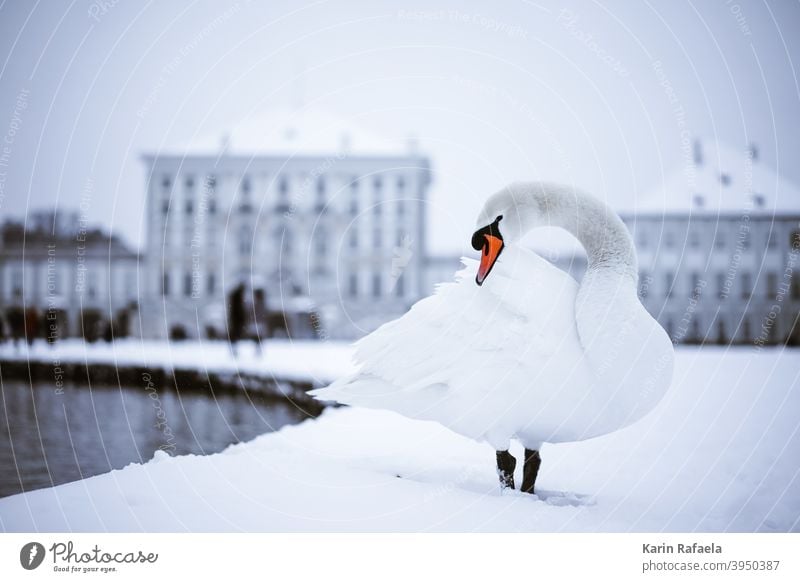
31,324
16,324
5,331
260,319
236,316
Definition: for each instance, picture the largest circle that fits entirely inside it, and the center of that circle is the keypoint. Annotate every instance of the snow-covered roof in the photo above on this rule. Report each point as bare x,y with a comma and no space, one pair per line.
720,179
291,132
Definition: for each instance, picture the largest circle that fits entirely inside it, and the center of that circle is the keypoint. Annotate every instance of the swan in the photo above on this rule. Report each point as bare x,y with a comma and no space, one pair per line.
527,353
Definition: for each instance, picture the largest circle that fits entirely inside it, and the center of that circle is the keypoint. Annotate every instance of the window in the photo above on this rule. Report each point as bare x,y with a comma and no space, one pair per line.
772,240
772,285
725,179
794,240
211,284
16,283
694,238
746,332
669,239
401,184
187,284
354,196
189,183
321,244
92,284
669,280
376,238
189,207
354,239
352,285
245,206
695,280
166,183
795,286
721,291
376,285
245,242
285,240
165,284
165,207
747,285
212,206
283,187
719,240
378,186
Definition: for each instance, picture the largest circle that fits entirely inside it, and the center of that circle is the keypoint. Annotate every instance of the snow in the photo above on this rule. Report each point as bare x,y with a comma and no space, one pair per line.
719,453
699,189
293,131
319,362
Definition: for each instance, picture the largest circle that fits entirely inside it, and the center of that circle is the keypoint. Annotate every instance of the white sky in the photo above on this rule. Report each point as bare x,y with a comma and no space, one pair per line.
513,90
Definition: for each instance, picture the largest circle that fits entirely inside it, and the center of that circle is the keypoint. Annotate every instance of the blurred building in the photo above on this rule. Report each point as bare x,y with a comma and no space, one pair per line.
73,279
719,250
325,219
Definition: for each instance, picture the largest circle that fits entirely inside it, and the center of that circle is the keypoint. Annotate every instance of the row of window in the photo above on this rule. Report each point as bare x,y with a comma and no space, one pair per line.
58,283
668,239
724,284
283,239
747,329
320,187
376,290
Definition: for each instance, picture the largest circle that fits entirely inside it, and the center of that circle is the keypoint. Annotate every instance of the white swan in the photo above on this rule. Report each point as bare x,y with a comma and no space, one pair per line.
527,353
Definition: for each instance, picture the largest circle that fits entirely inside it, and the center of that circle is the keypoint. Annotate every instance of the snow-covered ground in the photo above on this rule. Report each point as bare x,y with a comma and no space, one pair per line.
316,361
721,452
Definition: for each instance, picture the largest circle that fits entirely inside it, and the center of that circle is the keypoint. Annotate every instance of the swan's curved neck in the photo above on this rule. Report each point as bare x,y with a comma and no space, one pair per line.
602,233
607,296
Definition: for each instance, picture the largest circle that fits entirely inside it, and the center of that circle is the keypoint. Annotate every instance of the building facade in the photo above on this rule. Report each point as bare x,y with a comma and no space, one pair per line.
71,279
719,251
327,223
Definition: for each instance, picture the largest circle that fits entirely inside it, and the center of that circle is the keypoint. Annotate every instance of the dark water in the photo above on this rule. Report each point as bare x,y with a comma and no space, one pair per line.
48,438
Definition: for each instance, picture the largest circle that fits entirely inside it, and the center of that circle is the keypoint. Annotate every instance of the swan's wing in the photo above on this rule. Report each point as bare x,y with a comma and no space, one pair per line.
463,338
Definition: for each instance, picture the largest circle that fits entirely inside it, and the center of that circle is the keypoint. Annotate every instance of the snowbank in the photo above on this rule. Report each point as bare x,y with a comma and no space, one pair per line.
315,361
721,452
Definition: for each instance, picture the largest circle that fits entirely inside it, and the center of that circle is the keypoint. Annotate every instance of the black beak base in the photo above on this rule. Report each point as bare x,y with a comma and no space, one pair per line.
479,238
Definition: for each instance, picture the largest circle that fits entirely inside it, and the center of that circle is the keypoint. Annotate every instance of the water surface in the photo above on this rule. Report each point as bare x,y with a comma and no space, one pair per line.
47,438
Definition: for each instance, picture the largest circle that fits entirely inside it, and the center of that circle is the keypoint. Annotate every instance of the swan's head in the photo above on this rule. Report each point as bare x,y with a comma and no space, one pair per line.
489,241
504,219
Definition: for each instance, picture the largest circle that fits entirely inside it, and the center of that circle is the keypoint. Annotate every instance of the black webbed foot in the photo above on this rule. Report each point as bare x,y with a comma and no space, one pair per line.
506,464
530,470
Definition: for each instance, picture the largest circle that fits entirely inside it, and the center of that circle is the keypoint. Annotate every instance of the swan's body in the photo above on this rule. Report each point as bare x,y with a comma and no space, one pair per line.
529,354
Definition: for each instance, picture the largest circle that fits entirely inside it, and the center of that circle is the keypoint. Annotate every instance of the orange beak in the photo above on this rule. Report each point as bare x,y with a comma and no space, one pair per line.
491,250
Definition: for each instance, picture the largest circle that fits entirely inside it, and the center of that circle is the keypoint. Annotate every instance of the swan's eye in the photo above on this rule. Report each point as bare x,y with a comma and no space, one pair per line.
499,218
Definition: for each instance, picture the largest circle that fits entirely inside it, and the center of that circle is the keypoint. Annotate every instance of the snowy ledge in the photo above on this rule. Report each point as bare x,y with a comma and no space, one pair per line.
315,363
719,453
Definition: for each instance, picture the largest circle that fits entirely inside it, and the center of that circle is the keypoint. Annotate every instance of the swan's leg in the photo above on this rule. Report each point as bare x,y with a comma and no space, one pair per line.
506,464
530,469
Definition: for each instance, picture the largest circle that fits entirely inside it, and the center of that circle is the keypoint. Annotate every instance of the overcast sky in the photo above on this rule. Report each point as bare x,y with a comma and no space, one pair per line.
600,94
